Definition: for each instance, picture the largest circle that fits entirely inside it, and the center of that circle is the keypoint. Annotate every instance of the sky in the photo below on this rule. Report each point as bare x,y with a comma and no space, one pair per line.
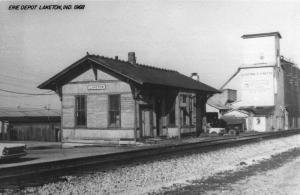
201,36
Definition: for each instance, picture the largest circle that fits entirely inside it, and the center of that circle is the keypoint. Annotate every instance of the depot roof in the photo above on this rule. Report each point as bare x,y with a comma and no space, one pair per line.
277,34
136,73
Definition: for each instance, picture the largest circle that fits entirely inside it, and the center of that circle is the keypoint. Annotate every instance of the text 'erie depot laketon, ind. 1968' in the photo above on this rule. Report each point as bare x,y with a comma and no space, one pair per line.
45,7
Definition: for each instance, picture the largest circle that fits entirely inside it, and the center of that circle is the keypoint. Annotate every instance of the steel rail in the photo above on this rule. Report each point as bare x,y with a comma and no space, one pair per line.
141,154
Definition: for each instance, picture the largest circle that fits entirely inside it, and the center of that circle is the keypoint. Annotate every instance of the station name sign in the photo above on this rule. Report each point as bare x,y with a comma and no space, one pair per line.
96,87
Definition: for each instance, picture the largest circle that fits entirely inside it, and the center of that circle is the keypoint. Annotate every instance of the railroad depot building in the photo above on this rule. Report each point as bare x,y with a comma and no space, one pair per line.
110,99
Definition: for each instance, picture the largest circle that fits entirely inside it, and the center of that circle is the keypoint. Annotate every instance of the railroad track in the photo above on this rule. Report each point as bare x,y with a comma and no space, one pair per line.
139,155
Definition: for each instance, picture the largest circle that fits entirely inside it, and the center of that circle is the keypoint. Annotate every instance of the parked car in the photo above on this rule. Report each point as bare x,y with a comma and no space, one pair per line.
12,150
217,130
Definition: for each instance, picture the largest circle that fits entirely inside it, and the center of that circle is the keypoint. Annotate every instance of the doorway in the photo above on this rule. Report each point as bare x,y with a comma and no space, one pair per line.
146,121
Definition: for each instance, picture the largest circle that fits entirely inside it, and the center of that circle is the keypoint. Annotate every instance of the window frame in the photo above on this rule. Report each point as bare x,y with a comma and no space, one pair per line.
186,111
113,125
84,109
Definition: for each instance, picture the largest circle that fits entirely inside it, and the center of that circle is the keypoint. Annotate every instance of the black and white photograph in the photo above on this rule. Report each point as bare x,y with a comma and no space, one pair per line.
141,97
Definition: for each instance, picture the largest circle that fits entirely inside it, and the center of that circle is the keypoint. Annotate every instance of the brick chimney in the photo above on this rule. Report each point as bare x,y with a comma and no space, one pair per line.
195,76
131,58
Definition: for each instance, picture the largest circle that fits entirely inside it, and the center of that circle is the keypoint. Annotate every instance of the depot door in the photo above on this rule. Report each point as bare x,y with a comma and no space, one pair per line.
146,122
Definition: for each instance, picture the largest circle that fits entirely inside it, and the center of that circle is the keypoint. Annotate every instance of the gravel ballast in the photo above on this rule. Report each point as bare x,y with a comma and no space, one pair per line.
153,176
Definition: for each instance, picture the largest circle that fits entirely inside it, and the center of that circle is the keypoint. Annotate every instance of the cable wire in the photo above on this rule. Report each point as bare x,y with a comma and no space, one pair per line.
23,93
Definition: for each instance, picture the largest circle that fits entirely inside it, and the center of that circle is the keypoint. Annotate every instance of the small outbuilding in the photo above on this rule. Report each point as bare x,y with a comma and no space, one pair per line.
35,124
110,99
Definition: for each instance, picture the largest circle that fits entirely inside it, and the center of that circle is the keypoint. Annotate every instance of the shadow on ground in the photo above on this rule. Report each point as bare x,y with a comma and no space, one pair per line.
223,180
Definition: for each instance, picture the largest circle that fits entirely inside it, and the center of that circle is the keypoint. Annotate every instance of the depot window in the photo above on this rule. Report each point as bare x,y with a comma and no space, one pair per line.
80,110
114,112
186,110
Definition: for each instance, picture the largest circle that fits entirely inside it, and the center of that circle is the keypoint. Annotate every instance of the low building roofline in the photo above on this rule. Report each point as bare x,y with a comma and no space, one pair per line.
277,34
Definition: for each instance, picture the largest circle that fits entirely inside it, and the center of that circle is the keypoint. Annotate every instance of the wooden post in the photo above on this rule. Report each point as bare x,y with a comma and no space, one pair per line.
135,120
136,110
140,110
8,132
177,115
2,130
151,123
203,108
61,122
159,119
162,116
200,112
154,119
158,123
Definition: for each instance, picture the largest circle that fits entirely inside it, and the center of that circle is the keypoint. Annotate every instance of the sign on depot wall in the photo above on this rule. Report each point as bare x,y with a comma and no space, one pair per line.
257,86
96,87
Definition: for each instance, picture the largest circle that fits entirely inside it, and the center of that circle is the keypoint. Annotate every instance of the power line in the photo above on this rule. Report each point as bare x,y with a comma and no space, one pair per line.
16,96
33,110
18,85
23,93
18,79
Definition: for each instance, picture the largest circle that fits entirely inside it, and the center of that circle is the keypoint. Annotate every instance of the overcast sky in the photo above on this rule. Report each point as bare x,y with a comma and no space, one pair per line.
187,36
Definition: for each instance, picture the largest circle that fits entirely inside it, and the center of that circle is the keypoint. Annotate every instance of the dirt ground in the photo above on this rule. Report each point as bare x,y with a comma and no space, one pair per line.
284,180
278,175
